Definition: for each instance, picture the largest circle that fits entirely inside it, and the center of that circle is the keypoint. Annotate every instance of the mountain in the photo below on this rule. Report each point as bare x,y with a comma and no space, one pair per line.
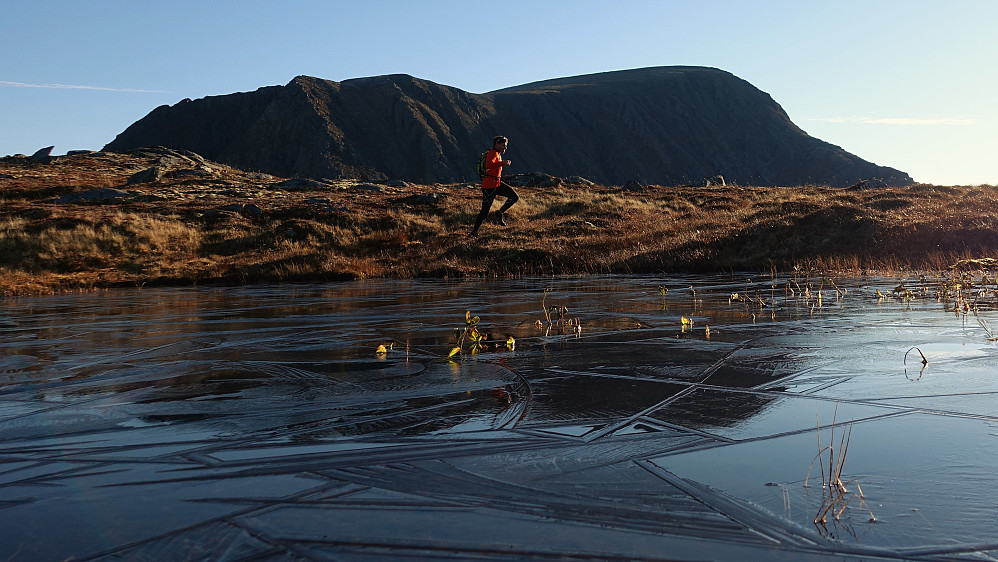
661,125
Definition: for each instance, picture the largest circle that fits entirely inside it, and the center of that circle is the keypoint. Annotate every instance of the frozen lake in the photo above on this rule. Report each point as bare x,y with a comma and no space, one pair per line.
263,423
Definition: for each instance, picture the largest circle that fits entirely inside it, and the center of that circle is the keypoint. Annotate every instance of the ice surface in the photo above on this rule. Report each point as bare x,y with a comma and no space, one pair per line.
262,423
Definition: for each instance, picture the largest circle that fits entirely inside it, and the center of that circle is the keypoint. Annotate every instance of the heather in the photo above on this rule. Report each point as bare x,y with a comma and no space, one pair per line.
87,221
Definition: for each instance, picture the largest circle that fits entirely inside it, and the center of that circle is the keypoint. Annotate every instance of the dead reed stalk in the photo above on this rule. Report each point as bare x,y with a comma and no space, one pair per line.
836,497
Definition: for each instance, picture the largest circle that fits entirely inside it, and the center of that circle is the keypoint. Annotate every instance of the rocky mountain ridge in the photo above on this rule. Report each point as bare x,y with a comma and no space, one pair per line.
662,125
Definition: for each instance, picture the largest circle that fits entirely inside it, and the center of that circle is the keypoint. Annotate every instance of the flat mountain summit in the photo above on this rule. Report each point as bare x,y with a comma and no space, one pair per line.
661,125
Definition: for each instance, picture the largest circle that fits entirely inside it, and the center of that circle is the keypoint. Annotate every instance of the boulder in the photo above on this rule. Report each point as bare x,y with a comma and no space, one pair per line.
193,173
579,180
862,184
99,195
532,179
149,175
171,158
252,210
326,206
248,210
714,181
634,186
300,184
43,155
421,199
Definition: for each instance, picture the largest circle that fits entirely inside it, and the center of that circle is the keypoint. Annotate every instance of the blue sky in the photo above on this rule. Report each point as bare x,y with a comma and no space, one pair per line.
910,84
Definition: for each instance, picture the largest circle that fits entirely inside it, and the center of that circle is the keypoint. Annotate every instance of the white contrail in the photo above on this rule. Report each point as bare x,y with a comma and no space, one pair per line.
897,120
78,87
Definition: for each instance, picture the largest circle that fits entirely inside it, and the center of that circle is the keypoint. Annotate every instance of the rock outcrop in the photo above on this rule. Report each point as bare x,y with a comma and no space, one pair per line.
664,125
97,195
43,155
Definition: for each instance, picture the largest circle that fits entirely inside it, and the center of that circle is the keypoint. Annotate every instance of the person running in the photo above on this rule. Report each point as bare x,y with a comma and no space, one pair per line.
492,184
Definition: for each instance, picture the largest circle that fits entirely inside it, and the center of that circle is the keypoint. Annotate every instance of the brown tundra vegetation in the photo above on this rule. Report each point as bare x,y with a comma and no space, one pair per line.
102,220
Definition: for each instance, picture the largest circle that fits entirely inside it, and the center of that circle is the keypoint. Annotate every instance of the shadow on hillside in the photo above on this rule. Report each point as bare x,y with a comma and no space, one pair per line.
837,231
834,235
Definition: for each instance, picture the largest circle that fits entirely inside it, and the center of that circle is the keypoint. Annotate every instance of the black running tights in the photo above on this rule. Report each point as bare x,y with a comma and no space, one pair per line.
489,195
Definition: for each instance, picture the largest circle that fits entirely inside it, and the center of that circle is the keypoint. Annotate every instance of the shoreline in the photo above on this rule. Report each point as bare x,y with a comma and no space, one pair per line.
89,222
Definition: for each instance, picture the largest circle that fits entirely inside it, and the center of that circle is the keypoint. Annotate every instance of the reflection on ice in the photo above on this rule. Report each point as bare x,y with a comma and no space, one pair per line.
261,422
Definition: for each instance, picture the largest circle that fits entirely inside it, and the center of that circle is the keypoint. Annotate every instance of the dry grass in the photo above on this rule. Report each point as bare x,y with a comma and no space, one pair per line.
122,240
188,230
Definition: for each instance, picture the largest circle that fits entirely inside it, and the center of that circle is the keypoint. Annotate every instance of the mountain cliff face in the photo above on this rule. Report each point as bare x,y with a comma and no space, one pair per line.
665,125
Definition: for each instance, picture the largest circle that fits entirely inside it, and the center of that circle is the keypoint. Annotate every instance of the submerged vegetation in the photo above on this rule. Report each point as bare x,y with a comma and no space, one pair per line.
215,224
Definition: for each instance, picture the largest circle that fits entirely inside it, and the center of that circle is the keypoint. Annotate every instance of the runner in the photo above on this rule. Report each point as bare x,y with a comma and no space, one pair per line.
492,184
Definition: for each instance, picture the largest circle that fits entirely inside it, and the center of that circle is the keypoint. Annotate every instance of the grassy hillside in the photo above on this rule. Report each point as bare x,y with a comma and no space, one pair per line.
202,223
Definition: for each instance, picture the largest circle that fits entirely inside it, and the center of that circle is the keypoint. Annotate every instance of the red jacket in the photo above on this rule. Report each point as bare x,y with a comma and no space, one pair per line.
493,169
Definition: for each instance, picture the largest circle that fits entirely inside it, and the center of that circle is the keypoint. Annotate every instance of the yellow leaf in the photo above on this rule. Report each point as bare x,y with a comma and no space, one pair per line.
687,321
381,350
454,352
511,343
